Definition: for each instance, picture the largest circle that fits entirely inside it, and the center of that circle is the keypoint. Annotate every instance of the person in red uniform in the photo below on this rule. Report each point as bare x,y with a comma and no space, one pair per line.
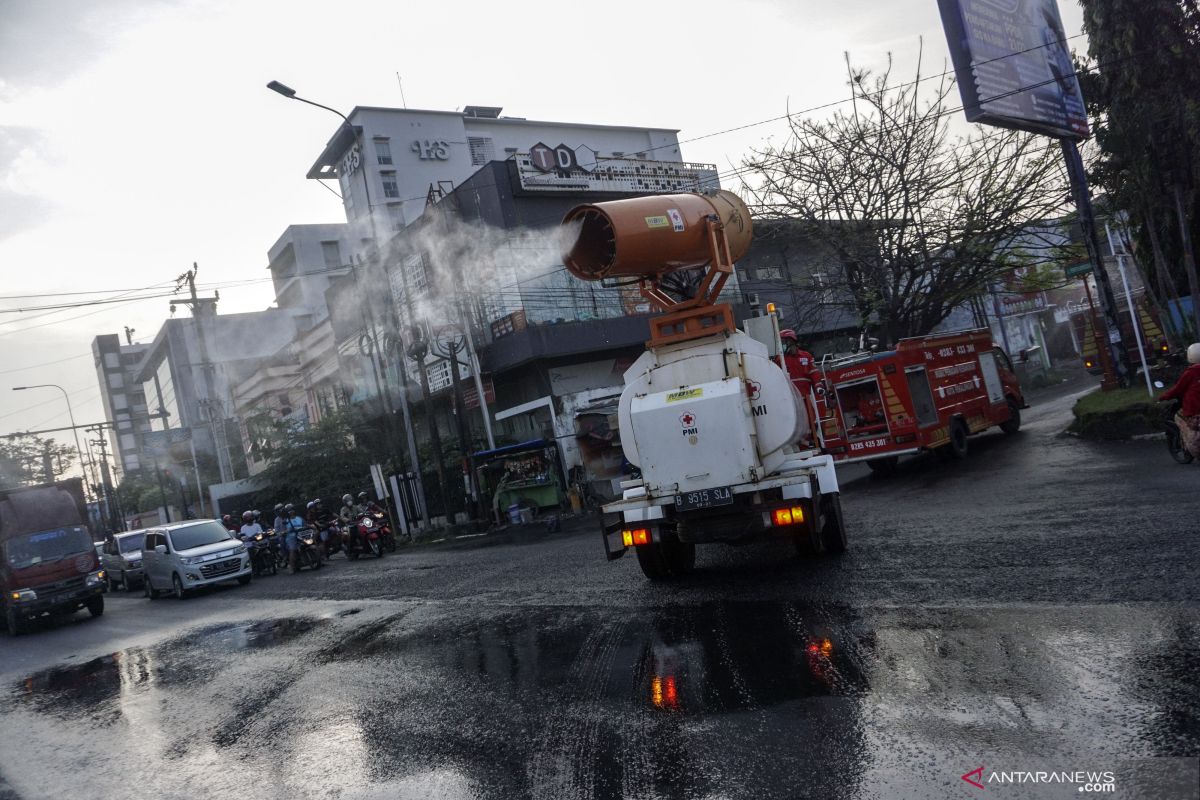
1187,390
799,362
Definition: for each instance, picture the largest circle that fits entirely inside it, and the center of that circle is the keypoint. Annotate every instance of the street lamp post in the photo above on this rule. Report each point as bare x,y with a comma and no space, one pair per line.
290,93
70,414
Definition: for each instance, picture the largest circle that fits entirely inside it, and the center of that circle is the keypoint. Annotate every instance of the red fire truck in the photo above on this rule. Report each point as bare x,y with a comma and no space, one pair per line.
931,392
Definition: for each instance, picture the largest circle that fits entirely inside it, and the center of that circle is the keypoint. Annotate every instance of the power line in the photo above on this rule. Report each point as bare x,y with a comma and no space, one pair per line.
43,364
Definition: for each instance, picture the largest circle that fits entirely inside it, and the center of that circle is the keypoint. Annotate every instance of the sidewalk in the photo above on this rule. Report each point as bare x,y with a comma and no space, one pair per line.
568,525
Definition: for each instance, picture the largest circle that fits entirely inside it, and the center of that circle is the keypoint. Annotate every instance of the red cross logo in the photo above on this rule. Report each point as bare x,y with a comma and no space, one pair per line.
688,419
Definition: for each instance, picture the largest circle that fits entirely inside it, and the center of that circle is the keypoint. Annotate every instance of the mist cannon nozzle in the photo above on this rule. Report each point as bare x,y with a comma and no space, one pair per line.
648,237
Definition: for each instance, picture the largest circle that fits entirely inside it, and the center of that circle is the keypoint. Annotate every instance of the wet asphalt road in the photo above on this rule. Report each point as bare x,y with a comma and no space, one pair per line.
1032,608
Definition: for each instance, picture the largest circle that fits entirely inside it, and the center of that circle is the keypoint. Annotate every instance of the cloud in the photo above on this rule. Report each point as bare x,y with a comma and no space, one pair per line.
20,208
44,42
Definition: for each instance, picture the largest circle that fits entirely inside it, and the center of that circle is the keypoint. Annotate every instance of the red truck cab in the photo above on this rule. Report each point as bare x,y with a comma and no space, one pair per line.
48,563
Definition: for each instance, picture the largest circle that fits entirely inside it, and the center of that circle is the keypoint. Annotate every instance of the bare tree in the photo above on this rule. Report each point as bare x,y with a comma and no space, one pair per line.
916,221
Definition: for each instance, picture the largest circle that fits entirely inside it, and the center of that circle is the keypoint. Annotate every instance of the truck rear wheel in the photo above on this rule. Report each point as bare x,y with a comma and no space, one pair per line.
667,559
833,525
95,606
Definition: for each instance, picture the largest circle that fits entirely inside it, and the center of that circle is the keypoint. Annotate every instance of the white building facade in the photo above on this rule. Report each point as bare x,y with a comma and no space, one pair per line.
395,156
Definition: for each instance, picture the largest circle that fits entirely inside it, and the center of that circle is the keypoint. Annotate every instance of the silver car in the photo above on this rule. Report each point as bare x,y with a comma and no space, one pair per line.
121,558
187,555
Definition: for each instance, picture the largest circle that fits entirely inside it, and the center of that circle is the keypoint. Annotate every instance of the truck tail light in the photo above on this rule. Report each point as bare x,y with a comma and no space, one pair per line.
635,536
787,516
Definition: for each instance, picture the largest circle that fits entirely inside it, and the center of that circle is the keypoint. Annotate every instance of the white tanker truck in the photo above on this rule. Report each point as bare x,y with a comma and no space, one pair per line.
711,420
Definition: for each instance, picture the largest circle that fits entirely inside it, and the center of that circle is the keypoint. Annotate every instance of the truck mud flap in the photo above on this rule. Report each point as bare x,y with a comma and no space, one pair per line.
611,526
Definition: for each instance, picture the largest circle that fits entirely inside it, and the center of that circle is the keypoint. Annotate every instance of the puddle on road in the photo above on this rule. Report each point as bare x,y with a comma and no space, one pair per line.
190,659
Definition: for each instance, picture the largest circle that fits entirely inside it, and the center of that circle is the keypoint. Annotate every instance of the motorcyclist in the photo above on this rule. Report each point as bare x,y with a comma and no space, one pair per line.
292,525
1187,391
321,520
250,528
348,516
368,505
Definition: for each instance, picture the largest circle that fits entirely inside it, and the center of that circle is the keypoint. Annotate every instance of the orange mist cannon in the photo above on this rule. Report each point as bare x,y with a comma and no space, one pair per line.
647,238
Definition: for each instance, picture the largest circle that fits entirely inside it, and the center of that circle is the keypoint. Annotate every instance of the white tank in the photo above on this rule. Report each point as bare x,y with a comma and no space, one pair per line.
708,412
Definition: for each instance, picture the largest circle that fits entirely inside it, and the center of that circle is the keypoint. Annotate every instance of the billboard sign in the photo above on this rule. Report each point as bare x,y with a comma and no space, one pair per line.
1013,66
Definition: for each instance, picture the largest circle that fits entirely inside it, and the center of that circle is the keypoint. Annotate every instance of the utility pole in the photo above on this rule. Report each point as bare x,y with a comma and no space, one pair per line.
105,485
449,349
210,406
473,359
417,350
1113,354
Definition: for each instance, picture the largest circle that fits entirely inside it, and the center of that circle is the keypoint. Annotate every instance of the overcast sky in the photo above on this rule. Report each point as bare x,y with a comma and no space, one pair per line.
136,136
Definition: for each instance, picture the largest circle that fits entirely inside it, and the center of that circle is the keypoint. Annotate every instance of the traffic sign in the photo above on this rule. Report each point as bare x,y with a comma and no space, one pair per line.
1078,269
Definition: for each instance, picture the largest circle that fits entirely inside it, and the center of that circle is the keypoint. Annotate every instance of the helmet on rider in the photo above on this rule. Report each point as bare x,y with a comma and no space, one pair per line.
289,508
1193,353
347,499
363,497
247,516
311,505
226,519
278,507
788,333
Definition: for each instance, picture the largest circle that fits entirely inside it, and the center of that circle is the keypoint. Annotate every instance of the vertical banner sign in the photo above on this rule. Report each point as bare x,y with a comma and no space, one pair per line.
1013,66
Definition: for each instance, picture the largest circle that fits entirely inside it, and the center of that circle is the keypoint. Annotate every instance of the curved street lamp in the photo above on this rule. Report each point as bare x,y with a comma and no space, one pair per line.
70,414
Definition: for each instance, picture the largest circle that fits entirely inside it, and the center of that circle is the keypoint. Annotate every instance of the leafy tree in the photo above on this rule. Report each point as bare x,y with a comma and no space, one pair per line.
1144,98
324,460
22,457
914,221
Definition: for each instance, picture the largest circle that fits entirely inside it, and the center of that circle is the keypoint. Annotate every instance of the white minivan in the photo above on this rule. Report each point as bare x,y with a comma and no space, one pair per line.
187,555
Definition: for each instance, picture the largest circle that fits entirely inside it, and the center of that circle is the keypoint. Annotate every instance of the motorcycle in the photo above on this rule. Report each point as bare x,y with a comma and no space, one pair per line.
262,560
385,530
309,549
1174,438
332,539
369,538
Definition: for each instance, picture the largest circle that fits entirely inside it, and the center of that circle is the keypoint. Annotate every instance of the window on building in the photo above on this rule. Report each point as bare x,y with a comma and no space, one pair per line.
116,381
333,253
112,360
482,150
391,188
383,151
769,274
396,213
128,442
119,403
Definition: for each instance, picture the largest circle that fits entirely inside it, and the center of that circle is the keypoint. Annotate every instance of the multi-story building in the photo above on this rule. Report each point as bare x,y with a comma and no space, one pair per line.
304,261
188,374
123,396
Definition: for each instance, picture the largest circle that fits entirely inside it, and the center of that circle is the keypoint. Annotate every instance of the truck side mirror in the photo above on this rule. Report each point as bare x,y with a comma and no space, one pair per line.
160,549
